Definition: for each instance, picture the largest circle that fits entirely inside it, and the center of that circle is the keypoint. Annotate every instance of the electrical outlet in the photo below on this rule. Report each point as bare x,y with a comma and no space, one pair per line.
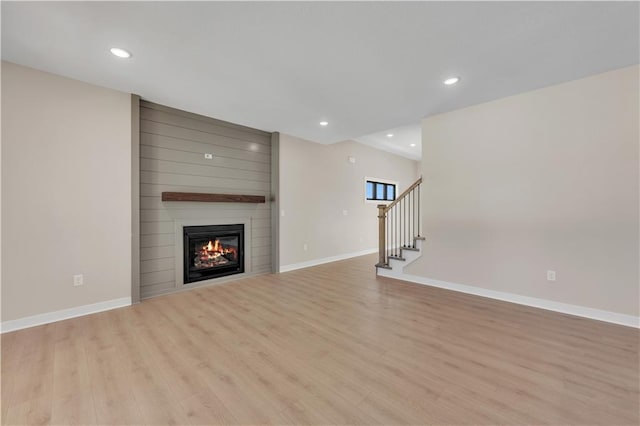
305,247
78,280
208,156
282,213
345,212
551,275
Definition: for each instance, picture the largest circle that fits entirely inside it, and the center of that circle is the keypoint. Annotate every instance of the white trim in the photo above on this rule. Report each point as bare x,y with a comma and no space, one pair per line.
391,182
366,178
550,305
64,314
307,264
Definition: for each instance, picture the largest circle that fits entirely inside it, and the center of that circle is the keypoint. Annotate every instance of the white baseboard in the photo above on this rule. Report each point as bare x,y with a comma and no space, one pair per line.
315,262
64,314
550,305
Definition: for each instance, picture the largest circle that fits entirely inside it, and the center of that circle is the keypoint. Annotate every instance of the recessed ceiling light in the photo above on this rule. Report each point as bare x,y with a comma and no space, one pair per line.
120,53
452,80
413,144
324,123
389,135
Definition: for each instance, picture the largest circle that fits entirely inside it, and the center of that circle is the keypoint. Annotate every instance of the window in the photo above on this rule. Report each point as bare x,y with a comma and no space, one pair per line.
377,190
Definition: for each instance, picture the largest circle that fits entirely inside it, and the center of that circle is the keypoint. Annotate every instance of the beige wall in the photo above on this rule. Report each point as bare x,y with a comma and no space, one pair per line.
545,180
317,183
66,193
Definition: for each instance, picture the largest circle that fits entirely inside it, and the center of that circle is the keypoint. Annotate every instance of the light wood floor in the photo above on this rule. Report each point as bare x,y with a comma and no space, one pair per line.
326,345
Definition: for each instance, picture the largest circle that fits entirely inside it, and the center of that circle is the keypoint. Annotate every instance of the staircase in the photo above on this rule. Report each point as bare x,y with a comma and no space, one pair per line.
399,238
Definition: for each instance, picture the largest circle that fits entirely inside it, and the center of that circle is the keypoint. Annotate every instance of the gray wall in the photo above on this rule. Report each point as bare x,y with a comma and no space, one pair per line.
318,184
172,148
545,180
66,193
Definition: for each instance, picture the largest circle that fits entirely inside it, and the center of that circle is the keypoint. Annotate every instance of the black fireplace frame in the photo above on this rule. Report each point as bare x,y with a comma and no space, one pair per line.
191,274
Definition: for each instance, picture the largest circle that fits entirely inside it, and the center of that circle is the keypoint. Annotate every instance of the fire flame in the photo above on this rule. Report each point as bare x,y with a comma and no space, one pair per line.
214,253
212,247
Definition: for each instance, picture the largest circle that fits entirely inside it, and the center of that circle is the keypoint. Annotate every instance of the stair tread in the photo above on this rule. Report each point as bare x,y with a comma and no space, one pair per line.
397,258
410,248
383,265
419,238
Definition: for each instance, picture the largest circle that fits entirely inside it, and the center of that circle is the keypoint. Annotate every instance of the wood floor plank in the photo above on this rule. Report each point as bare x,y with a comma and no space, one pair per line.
152,394
30,400
206,408
199,348
72,400
332,344
110,385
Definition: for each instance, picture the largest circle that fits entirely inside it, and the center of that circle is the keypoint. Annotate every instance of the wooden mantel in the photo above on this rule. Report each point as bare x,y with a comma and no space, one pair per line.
212,198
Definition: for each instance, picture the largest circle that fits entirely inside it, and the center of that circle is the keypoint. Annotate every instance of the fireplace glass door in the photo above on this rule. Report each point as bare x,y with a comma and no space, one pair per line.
212,251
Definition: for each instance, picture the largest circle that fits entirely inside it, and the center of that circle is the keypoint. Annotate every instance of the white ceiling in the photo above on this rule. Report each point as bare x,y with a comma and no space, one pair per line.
400,143
364,66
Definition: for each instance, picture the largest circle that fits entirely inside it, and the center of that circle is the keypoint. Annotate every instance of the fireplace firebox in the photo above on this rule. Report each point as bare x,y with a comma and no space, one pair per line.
212,251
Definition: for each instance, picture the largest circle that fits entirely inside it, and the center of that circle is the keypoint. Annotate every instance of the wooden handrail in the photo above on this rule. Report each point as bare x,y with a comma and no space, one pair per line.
406,191
399,227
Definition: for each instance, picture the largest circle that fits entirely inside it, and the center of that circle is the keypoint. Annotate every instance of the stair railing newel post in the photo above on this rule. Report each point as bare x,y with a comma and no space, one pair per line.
387,221
382,216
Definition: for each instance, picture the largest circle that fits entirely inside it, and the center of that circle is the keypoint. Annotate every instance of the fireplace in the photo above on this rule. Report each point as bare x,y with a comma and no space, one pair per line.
212,251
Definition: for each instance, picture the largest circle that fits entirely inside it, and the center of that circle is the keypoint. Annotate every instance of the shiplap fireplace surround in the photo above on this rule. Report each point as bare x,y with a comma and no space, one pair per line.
183,254
192,170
